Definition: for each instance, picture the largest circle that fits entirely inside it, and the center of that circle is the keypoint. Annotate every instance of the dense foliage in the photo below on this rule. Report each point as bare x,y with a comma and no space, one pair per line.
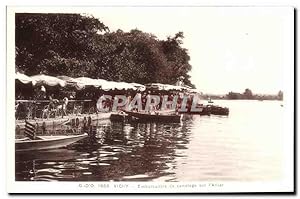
76,45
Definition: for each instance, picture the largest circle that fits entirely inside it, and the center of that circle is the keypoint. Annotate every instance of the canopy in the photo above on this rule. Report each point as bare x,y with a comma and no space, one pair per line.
82,82
88,81
122,85
103,84
172,87
156,86
72,82
66,78
166,87
24,78
48,80
194,90
139,87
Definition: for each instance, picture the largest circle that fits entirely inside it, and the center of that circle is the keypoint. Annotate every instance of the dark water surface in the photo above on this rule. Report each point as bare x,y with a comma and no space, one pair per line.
245,146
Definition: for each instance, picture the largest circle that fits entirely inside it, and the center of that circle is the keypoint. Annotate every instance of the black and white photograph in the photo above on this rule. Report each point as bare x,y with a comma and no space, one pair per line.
152,99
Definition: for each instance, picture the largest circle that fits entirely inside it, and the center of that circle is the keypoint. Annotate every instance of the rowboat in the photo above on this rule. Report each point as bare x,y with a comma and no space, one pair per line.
146,117
47,142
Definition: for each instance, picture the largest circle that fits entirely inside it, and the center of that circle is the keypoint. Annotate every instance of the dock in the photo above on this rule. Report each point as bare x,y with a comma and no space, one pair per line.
73,120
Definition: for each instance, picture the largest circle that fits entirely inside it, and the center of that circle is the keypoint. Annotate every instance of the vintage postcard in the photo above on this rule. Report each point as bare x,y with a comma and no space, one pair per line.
132,99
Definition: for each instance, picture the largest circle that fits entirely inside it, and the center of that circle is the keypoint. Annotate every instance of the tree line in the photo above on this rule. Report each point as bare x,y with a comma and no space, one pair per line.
246,95
77,45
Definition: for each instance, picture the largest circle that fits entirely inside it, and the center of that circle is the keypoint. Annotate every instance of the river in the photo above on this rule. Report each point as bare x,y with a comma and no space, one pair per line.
244,146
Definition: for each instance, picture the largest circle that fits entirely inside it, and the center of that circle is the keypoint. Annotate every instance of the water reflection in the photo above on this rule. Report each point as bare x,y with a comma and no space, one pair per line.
118,151
246,146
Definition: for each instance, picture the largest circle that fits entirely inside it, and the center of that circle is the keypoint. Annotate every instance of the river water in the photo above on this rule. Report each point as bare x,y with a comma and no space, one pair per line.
244,146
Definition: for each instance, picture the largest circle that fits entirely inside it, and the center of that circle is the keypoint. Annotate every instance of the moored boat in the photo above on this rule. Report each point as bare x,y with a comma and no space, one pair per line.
208,110
118,117
140,116
47,142
218,110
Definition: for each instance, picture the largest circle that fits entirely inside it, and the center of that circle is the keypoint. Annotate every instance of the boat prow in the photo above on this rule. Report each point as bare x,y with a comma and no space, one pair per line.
47,142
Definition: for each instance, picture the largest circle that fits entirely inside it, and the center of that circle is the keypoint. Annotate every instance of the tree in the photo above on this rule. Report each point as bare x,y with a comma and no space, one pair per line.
77,45
248,94
233,95
177,61
51,43
280,95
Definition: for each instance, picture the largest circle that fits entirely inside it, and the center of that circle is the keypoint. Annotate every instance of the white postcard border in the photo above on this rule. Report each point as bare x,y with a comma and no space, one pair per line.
286,185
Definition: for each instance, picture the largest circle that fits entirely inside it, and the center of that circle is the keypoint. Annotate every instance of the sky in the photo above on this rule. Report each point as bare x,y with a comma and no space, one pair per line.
231,48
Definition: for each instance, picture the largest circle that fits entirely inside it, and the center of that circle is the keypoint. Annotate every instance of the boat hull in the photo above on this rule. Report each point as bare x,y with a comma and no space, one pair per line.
154,118
210,110
47,142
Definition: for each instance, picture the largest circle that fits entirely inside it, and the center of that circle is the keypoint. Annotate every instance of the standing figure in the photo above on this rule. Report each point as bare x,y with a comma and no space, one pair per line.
64,106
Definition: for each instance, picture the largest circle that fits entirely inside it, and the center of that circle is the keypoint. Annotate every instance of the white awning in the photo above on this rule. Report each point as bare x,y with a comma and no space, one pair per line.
166,87
24,78
48,80
139,87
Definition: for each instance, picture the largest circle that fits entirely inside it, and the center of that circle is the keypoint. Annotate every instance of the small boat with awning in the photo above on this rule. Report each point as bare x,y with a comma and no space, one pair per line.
47,142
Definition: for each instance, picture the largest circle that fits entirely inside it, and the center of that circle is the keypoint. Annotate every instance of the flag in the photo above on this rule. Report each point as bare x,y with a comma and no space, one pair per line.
29,130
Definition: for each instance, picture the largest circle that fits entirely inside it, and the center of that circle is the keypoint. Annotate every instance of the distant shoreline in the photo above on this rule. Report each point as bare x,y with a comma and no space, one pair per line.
246,95
244,99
